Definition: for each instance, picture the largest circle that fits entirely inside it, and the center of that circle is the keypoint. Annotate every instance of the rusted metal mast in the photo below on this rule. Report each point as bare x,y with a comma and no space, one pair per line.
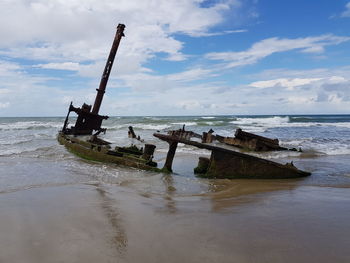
89,120
101,90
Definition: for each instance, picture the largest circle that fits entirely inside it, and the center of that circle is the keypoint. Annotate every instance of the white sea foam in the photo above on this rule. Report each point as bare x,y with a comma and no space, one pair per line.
294,143
276,154
276,120
141,126
339,124
187,150
262,124
338,151
331,147
152,126
208,117
6,151
301,117
25,125
314,124
12,141
186,123
213,123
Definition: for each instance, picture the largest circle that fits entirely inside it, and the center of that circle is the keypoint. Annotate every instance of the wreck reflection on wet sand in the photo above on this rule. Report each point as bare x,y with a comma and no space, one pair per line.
128,215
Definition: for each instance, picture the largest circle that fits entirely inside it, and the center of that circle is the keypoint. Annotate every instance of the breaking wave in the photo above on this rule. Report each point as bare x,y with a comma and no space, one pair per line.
185,123
31,150
276,120
29,125
14,141
213,123
141,126
262,124
319,146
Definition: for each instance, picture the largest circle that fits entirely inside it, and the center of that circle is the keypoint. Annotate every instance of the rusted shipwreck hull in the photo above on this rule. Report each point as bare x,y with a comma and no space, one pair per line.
82,138
246,140
226,163
101,151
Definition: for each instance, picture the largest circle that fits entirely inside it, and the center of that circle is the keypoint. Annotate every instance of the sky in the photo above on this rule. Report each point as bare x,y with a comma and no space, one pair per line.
178,57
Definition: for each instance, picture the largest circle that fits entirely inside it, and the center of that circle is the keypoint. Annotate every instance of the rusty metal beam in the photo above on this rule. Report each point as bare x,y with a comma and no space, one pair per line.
101,90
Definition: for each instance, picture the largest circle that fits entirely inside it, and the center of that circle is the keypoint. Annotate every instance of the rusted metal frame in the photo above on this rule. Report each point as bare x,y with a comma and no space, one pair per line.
170,156
218,151
240,134
108,68
88,120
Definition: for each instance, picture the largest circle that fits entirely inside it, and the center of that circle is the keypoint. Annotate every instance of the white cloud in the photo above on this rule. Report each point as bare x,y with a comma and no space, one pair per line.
189,104
76,35
341,72
192,74
81,30
296,92
176,57
273,45
289,84
6,67
337,79
23,94
61,66
313,49
300,100
346,13
317,90
225,32
335,98
4,105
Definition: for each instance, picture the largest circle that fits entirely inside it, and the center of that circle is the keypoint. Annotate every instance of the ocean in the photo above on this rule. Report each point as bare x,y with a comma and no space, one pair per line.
30,143
58,206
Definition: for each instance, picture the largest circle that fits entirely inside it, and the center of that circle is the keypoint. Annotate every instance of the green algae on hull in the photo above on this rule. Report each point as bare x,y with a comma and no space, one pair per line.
103,153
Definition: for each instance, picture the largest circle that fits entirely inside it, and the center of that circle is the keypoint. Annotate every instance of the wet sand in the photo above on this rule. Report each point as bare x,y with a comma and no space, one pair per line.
255,221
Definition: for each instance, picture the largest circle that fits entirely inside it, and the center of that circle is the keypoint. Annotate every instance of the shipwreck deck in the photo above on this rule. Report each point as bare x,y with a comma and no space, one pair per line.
103,153
226,163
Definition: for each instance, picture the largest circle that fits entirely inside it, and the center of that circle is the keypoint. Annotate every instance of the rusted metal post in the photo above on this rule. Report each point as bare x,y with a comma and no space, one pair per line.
207,137
148,151
170,156
66,120
101,90
203,165
131,133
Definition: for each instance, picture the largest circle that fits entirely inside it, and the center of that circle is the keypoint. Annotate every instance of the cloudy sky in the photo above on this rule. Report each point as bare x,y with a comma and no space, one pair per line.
178,57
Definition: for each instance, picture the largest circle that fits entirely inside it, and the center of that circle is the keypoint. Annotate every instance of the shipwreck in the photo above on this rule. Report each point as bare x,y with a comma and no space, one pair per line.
225,162
247,141
83,140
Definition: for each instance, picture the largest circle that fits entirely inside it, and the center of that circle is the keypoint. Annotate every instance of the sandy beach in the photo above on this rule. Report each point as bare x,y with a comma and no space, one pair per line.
268,222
